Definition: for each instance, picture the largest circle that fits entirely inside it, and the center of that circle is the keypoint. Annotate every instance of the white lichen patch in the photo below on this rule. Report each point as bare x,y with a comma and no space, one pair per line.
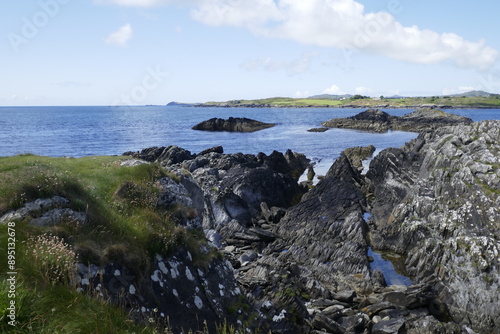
280,316
155,277
198,302
162,267
189,275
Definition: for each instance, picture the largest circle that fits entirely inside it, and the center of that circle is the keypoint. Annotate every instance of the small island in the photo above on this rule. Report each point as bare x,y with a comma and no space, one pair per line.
379,121
232,124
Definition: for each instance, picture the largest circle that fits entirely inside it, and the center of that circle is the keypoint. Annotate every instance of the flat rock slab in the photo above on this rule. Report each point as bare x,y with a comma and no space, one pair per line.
232,125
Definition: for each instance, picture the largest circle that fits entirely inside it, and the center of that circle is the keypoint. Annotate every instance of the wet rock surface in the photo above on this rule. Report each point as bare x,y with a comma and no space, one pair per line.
379,121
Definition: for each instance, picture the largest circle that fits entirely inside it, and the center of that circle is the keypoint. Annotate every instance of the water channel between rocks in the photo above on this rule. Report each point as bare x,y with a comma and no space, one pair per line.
390,264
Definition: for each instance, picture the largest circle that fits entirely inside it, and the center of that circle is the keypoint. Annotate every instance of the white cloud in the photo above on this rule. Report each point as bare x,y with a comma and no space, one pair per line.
121,36
135,3
363,90
302,94
465,89
341,24
334,90
344,24
269,64
459,90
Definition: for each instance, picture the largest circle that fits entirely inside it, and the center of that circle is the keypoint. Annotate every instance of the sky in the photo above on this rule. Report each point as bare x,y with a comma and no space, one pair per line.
140,52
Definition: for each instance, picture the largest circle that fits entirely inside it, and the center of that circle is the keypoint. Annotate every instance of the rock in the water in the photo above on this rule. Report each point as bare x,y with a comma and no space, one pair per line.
380,121
232,124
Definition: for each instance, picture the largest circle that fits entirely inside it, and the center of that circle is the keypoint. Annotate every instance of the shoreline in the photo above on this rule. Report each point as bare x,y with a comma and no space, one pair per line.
345,107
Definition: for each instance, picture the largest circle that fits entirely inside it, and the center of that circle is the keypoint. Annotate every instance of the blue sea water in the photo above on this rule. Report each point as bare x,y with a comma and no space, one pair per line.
103,130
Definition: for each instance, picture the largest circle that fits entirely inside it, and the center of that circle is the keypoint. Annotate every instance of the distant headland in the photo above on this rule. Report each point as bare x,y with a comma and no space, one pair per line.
472,99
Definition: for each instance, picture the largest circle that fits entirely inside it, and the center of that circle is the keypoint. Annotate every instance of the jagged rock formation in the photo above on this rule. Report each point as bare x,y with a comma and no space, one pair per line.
357,154
232,124
46,212
294,260
380,121
437,200
305,268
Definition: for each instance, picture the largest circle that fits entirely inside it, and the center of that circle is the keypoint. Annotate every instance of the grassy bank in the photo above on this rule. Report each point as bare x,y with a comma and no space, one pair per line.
123,226
492,101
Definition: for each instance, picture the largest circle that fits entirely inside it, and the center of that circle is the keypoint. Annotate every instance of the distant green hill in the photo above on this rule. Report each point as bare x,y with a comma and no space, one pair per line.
473,99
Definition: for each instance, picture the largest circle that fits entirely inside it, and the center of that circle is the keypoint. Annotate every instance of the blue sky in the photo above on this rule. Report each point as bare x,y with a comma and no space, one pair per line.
108,52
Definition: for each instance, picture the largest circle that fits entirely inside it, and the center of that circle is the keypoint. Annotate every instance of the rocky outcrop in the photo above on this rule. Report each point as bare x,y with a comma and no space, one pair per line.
235,185
171,154
282,258
46,212
232,125
380,121
357,154
177,292
323,129
436,200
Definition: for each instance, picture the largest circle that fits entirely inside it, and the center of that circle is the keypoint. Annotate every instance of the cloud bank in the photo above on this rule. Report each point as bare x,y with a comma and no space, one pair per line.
341,24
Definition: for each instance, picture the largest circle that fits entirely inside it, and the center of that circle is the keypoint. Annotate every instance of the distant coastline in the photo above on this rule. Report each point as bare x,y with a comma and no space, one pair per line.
469,100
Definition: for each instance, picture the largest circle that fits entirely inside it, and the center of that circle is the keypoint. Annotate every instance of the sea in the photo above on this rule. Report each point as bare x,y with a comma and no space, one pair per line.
111,130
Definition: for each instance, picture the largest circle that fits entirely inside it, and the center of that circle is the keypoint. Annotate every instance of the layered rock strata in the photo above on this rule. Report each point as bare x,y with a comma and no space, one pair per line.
379,121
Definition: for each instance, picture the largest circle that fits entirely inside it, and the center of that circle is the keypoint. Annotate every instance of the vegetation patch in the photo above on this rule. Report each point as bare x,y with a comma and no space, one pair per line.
123,226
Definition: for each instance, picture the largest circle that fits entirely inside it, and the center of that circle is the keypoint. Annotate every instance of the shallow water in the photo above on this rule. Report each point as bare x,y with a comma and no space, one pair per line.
387,264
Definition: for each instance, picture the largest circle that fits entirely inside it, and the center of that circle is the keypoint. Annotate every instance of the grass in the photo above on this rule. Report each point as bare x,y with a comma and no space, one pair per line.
123,226
463,102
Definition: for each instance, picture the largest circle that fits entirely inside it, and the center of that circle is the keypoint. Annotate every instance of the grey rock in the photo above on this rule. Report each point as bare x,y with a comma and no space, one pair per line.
345,296
173,193
46,212
391,326
374,309
437,201
232,125
58,216
380,121
215,238
216,149
322,322
169,154
133,163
